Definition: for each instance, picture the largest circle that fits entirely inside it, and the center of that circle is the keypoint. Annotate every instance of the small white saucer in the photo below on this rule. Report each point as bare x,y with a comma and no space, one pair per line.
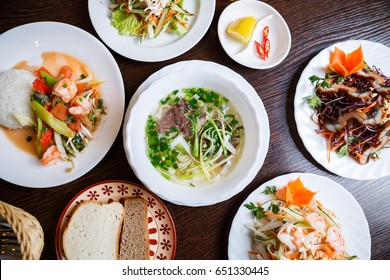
279,34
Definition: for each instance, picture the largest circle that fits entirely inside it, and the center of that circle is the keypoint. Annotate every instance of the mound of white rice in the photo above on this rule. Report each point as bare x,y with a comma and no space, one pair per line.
15,90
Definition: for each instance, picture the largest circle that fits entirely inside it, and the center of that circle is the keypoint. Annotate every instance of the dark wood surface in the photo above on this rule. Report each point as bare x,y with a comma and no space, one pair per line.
202,232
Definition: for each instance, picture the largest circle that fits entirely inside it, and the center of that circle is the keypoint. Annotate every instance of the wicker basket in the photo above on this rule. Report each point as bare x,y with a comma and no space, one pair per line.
27,228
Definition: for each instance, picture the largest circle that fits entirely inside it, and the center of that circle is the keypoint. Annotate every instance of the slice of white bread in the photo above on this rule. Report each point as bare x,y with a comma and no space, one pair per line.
93,231
135,234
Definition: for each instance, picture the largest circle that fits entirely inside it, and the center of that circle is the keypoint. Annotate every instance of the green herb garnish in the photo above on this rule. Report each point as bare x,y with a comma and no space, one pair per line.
270,190
258,211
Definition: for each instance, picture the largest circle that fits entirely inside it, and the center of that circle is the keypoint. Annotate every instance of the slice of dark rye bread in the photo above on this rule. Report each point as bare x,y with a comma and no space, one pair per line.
134,244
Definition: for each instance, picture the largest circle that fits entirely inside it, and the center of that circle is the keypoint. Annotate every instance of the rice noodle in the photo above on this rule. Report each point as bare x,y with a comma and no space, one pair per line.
88,77
86,132
201,139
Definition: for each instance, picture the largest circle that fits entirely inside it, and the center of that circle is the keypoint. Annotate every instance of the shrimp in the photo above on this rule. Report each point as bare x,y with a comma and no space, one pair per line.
66,89
51,155
285,235
316,221
81,107
298,237
335,239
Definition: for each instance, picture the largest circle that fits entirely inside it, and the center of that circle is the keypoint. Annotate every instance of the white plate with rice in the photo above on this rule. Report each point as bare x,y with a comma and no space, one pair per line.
27,43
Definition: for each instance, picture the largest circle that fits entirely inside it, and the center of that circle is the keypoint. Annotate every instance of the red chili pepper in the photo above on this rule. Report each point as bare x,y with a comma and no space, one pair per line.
265,32
260,51
46,137
267,46
41,86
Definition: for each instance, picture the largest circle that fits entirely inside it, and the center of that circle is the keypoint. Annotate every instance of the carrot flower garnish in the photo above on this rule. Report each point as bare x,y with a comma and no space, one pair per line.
295,193
346,64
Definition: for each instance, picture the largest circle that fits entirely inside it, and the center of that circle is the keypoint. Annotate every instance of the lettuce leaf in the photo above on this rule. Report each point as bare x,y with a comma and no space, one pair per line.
177,28
127,24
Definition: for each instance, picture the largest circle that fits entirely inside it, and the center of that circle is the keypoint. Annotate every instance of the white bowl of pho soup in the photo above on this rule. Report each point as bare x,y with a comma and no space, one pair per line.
198,136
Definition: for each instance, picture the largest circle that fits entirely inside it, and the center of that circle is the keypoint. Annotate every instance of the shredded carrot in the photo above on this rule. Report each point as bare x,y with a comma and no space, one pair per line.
142,28
177,21
171,13
361,143
356,128
324,133
293,256
361,157
154,18
329,144
270,214
328,251
338,145
274,233
369,107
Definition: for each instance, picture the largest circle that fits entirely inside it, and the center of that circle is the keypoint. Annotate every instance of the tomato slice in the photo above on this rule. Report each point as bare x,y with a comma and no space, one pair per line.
83,87
46,137
41,86
60,111
75,126
66,72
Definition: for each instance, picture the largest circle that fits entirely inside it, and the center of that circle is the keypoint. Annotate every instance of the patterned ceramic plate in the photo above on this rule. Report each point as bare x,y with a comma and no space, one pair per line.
162,233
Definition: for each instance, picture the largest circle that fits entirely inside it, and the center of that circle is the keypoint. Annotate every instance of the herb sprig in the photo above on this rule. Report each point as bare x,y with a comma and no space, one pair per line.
258,211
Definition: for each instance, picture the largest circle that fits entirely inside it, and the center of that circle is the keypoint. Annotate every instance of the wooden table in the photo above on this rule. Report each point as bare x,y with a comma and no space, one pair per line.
202,232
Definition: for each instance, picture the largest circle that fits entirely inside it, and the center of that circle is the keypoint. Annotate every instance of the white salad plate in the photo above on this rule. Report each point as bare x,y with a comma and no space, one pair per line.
222,80
27,43
165,46
332,195
266,15
375,54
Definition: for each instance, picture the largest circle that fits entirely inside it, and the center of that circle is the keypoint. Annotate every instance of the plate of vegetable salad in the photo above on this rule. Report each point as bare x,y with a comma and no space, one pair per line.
151,30
300,216
200,168
72,96
342,109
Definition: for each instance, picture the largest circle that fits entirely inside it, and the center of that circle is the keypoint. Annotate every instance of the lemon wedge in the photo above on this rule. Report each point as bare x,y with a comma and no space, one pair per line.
242,29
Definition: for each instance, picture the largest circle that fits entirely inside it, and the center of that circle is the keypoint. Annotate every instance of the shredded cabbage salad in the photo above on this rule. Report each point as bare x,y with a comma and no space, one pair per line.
286,228
149,18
